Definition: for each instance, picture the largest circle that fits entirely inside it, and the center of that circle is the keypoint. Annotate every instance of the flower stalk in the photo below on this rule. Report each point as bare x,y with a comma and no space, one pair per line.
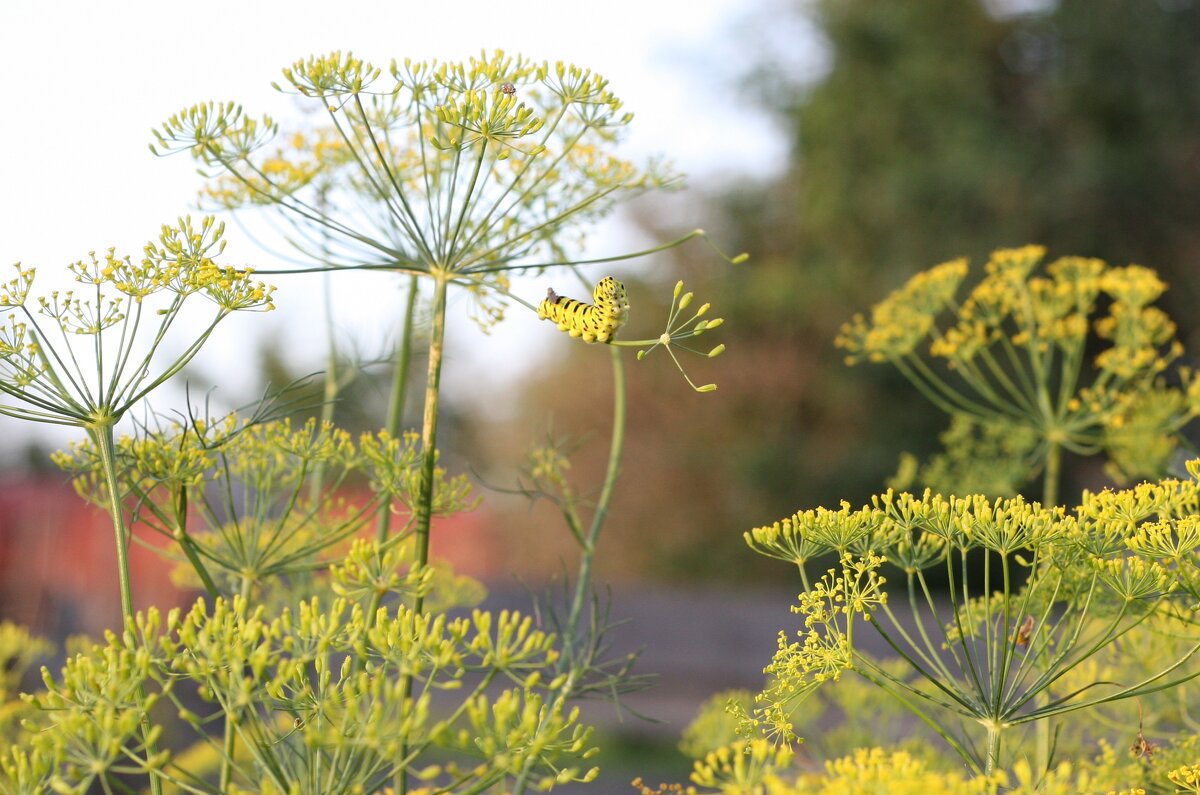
102,436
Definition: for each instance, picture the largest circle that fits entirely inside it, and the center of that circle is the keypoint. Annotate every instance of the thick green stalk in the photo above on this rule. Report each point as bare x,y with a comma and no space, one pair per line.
227,759
102,436
429,424
1052,474
992,759
437,338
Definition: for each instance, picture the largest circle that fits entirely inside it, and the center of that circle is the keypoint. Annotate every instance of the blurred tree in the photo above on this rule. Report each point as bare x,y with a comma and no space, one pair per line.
941,128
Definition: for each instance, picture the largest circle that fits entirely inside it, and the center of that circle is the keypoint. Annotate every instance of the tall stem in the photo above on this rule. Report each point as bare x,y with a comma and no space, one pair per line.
584,581
1051,476
230,747
992,759
102,437
1044,729
437,335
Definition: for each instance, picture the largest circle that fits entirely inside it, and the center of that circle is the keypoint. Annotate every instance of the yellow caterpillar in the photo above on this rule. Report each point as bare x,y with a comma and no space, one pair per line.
596,322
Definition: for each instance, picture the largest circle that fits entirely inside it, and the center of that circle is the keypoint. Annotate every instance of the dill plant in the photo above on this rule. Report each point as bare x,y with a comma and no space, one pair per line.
1069,585
1015,375
85,358
324,657
1035,595
1009,644
1014,363
455,174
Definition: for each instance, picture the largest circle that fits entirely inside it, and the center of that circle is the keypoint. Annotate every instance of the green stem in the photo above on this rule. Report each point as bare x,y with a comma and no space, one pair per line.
102,436
1044,729
992,758
1051,476
188,545
429,425
227,758
437,338
584,580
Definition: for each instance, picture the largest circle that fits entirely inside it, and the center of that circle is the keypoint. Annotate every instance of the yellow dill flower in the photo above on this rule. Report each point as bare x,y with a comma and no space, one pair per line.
876,771
1135,285
742,767
1187,777
901,320
1015,263
1016,347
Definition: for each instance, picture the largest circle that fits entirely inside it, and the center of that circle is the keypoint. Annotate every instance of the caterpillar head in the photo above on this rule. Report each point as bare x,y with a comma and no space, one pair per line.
610,294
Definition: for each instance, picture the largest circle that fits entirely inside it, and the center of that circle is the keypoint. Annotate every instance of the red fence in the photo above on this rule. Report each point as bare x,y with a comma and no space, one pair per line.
58,559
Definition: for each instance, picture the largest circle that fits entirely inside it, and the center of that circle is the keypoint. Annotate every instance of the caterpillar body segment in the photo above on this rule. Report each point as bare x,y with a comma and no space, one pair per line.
595,322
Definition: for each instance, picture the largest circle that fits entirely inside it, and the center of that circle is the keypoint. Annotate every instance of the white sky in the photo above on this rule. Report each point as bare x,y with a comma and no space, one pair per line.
85,82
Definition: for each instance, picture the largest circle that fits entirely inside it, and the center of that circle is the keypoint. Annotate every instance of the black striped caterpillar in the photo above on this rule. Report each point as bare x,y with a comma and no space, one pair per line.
596,322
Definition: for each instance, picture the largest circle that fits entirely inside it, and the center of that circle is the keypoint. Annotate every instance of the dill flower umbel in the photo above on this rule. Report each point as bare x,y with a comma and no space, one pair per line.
1060,588
1009,361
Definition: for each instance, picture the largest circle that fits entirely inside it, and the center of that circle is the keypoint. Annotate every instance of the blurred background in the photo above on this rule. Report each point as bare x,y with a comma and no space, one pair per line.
845,144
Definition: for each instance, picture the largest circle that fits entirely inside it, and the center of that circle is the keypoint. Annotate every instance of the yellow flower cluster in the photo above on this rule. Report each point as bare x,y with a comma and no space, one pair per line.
461,164
899,525
1014,352
263,470
46,376
1186,778
325,712
875,771
1156,522
751,768
1115,560
743,767
904,318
